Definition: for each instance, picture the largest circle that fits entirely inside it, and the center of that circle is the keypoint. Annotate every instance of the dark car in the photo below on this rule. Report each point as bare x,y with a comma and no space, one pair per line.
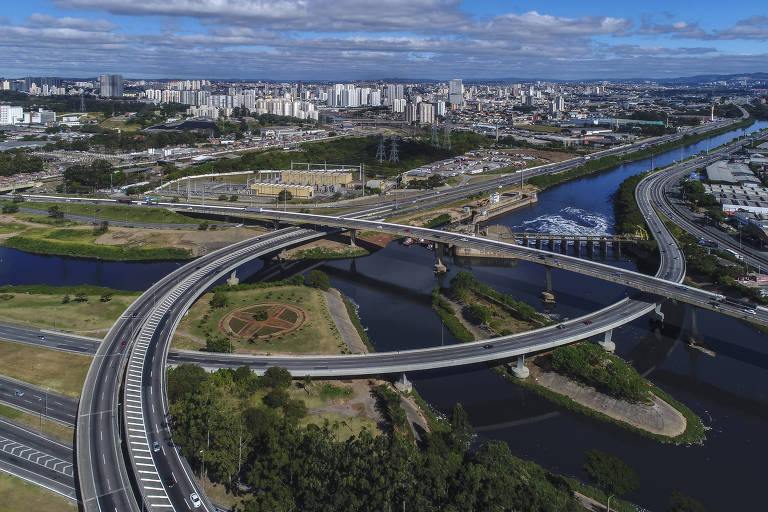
587,322
123,344
487,346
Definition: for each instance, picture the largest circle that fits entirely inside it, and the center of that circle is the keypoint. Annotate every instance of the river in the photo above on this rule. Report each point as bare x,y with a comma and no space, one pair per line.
393,286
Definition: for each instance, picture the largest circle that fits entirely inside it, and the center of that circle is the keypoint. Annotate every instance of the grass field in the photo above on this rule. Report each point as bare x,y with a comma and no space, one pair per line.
318,335
50,427
80,242
92,318
59,371
122,123
21,496
114,212
10,227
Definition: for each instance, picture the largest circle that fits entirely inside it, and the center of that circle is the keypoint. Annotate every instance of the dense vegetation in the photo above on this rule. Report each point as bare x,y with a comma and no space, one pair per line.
758,110
464,282
355,318
448,317
440,220
283,466
606,372
628,217
87,178
348,150
15,162
111,140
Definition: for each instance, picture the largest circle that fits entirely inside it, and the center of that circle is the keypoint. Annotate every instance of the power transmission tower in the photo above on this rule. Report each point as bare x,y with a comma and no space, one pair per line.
447,136
435,141
381,152
394,156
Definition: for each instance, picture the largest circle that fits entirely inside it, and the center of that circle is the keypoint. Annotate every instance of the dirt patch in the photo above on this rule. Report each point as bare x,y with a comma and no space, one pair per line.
322,243
552,156
362,402
198,242
657,418
378,239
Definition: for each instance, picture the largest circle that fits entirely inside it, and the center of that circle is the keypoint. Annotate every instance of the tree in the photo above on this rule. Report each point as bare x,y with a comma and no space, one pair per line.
217,344
223,197
294,410
66,299
233,197
81,297
318,279
679,502
276,398
18,198
106,297
55,212
276,377
10,208
610,473
219,300
284,195
461,428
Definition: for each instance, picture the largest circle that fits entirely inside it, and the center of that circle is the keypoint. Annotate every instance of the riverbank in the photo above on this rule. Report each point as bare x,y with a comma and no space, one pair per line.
59,237
607,163
659,417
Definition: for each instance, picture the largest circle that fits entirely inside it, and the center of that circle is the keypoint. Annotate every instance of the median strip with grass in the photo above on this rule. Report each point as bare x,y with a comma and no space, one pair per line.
19,494
53,369
34,421
100,212
88,310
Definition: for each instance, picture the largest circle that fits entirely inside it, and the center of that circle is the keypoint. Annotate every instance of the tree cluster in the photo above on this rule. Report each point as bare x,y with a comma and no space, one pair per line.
99,174
283,466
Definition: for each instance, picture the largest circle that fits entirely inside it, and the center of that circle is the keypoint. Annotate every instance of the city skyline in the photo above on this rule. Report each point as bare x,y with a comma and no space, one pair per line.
363,40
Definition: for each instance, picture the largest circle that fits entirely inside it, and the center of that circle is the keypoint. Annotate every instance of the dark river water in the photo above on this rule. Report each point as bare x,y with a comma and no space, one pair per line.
392,287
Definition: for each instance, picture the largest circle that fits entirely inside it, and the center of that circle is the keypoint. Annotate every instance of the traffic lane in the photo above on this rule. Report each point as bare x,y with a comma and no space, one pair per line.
36,440
36,400
52,481
46,339
489,349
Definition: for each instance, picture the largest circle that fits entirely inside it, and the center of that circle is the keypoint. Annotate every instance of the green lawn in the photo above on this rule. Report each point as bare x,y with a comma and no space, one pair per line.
318,335
101,212
21,496
92,317
80,242
60,371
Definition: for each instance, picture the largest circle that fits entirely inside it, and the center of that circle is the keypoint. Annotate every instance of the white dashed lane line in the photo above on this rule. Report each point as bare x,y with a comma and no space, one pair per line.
35,456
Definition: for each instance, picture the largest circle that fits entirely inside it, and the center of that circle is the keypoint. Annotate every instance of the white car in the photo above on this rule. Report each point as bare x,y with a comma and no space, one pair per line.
195,499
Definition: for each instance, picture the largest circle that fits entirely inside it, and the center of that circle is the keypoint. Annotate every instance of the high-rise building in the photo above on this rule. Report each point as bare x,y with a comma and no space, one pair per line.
411,112
426,113
440,108
111,86
456,92
10,114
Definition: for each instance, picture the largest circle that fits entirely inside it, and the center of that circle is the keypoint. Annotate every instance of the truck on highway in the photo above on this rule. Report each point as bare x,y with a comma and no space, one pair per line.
251,209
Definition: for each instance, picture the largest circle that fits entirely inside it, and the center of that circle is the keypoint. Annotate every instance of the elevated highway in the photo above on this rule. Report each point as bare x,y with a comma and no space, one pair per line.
133,401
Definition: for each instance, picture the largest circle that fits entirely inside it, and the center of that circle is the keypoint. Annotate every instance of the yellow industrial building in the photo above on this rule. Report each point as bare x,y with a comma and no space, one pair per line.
328,179
273,189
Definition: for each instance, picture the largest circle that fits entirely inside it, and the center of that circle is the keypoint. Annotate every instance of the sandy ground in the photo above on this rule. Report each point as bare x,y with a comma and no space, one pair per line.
659,418
552,156
197,241
338,311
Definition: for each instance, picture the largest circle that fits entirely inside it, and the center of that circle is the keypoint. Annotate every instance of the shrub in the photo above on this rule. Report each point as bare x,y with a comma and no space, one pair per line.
276,398
219,300
318,279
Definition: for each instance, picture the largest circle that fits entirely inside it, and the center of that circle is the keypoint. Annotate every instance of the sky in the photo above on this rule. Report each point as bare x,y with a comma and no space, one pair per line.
375,39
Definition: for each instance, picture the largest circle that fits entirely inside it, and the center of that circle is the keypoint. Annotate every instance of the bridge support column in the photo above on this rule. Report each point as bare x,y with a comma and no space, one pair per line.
551,243
440,267
520,371
563,245
403,384
233,280
353,237
577,247
590,248
617,249
658,315
538,243
694,338
607,344
525,240
603,247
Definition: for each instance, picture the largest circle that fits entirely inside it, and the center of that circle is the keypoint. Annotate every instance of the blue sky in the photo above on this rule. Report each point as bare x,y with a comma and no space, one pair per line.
370,39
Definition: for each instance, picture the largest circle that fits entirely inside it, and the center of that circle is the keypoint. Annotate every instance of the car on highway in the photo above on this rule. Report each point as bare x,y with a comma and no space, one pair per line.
587,322
41,337
155,446
379,227
195,499
462,239
487,346
123,343
18,392
561,326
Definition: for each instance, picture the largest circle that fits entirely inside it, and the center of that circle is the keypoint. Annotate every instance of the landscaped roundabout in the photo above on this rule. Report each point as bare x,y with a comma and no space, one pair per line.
263,320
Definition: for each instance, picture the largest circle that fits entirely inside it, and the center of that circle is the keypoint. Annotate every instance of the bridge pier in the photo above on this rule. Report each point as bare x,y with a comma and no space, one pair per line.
548,272
403,384
563,245
520,371
657,314
353,237
538,243
607,344
694,337
617,249
590,248
603,247
233,279
577,247
551,244
440,267
525,240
